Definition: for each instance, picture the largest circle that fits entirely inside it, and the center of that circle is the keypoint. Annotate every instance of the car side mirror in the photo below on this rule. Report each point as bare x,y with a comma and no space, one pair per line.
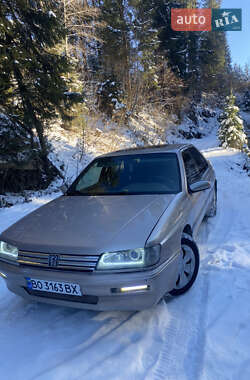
199,186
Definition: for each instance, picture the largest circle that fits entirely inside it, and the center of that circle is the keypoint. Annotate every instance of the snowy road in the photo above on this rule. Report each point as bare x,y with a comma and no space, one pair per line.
204,334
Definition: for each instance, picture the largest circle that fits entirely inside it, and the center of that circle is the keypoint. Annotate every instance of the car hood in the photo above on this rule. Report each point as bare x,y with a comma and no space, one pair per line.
88,224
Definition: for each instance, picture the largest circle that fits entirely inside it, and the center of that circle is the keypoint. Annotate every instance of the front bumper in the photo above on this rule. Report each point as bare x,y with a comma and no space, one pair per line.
97,288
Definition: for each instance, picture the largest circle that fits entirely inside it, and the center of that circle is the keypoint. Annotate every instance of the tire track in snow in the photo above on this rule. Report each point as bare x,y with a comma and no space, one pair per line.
76,352
228,216
181,356
184,339
183,351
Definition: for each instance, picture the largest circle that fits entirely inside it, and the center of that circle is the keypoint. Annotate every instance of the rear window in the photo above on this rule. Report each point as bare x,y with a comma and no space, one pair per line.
156,173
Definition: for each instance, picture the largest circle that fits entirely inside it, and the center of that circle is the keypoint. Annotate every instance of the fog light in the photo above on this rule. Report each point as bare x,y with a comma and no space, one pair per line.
134,288
3,275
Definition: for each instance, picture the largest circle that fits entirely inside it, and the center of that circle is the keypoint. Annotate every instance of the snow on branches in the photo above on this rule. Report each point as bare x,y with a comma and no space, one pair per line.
231,132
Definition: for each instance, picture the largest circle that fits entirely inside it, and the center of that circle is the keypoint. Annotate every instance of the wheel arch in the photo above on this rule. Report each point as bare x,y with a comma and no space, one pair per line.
187,231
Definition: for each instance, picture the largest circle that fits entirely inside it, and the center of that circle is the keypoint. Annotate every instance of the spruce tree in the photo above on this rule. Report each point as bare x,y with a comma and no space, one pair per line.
180,49
146,42
246,101
231,132
215,62
173,45
115,49
33,87
214,58
144,58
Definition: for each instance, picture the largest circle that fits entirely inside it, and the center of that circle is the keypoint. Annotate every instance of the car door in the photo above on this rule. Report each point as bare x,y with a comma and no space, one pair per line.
196,169
207,174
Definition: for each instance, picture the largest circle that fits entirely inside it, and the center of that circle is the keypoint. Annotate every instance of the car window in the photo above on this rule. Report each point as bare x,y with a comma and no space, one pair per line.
91,177
200,160
156,173
191,167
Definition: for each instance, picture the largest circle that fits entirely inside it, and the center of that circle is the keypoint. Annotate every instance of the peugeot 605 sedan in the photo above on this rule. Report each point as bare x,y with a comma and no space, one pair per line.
122,237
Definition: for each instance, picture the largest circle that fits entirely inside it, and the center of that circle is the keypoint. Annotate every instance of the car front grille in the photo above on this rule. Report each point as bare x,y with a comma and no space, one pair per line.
60,261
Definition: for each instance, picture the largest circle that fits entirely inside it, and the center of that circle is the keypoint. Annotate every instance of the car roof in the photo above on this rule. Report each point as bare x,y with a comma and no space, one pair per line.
168,148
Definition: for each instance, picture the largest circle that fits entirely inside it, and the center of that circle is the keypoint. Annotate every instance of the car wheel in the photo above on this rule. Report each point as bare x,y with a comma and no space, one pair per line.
190,261
213,208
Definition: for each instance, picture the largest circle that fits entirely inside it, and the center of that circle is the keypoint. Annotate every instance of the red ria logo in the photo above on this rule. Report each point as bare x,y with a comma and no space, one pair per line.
184,20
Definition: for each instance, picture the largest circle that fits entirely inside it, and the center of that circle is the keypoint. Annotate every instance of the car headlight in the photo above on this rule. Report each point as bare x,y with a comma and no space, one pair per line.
132,258
8,251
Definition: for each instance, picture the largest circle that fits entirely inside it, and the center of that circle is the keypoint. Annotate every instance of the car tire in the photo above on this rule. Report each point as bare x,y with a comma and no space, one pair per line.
189,267
213,207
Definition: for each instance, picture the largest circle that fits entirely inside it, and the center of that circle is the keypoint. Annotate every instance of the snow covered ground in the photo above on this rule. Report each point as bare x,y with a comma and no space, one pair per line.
204,334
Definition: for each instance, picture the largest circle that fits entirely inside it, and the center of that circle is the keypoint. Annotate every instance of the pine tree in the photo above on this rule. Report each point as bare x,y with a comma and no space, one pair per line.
82,22
173,45
181,49
214,58
143,57
145,40
31,79
246,101
238,78
115,49
231,131
215,62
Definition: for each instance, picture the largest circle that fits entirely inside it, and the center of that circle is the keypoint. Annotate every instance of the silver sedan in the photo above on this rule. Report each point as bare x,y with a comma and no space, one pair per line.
122,237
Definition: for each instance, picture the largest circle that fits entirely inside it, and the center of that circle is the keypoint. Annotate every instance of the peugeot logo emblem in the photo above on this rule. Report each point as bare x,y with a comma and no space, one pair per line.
53,260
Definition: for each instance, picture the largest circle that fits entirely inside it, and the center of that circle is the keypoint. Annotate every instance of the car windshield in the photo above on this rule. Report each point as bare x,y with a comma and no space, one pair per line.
156,173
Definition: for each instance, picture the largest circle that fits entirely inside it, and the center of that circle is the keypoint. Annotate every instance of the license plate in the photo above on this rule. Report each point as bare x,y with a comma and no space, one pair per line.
54,287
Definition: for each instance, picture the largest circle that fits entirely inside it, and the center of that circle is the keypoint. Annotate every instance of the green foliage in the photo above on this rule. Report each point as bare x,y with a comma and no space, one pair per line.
115,50
31,77
21,165
215,62
109,95
14,141
129,43
231,131
173,45
240,78
201,59
145,37
138,42
246,101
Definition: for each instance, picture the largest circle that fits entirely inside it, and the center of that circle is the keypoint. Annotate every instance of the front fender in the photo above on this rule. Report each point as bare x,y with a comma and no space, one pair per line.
168,231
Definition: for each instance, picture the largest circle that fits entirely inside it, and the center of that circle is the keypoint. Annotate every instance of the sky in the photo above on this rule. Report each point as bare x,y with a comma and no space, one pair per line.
239,42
